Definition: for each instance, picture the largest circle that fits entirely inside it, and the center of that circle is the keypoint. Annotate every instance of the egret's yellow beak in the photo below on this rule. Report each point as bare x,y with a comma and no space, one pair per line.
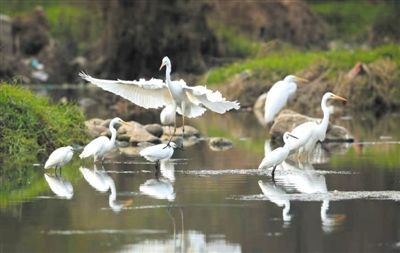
301,79
293,136
126,123
162,65
339,98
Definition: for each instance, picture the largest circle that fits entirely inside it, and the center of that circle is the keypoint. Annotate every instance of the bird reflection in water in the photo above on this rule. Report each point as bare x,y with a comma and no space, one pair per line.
161,187
303,178
102,182
278,196
60,186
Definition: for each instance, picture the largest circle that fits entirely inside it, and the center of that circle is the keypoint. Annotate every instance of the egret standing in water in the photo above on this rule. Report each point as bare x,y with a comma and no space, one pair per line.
278,96
277,156
159,152
100,146
188,101
59,157
310,132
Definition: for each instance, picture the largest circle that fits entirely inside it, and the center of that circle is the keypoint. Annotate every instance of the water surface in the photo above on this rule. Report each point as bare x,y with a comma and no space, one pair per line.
210,201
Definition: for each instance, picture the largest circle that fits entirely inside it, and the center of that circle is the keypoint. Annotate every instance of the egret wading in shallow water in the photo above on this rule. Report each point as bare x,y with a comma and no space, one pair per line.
159,152
188,101
310,132
59,157
277,156
279,94
100,146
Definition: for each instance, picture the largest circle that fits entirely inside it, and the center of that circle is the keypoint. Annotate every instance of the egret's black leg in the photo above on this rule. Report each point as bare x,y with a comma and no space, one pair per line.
170,138
183,126
273,174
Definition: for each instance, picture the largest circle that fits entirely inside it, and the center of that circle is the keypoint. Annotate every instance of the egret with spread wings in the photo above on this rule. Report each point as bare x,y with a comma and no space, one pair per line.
155,93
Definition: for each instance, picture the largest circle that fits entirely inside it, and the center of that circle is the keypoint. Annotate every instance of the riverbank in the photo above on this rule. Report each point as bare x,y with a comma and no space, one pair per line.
30,129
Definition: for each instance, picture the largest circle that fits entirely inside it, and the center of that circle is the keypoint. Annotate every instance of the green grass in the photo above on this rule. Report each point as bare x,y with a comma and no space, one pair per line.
292,61
30,129
71,22
351,19
234,43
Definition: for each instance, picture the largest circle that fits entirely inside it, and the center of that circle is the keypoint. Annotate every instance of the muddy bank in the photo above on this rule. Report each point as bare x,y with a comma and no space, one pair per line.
368,87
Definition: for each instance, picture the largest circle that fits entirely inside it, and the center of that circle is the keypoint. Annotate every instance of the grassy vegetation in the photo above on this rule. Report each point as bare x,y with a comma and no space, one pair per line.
351,20
30,129
235,44
72,23
290,61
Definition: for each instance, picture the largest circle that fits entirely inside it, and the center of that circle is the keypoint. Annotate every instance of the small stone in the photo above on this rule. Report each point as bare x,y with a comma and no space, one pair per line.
130,151
220,144
154,129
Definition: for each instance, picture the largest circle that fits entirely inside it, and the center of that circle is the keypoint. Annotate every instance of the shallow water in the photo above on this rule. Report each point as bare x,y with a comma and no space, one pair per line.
210,201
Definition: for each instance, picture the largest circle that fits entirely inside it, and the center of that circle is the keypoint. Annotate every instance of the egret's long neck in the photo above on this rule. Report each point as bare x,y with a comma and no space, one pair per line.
325,120
113,134
168,74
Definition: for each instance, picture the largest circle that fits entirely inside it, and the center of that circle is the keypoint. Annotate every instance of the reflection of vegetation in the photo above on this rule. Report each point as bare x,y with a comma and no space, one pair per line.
382,155
37,184
292,61
30,128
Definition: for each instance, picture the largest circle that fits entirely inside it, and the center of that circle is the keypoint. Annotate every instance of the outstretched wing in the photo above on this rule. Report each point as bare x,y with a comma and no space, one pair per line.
213,100
151,93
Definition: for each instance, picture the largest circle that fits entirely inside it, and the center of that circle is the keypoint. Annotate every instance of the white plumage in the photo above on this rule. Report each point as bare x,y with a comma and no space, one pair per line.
167,115
276,156
158,152
101,145
309,133
59,157
278,96
154,93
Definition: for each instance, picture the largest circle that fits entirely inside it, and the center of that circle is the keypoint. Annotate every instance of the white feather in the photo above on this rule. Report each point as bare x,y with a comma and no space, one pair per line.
151,93
59,157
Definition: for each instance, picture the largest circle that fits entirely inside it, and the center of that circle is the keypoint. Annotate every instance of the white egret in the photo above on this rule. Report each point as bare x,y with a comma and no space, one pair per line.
159,152
278,196
278,96
60,186
168,115
188,101
310,132
277,156
102,145
59,157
